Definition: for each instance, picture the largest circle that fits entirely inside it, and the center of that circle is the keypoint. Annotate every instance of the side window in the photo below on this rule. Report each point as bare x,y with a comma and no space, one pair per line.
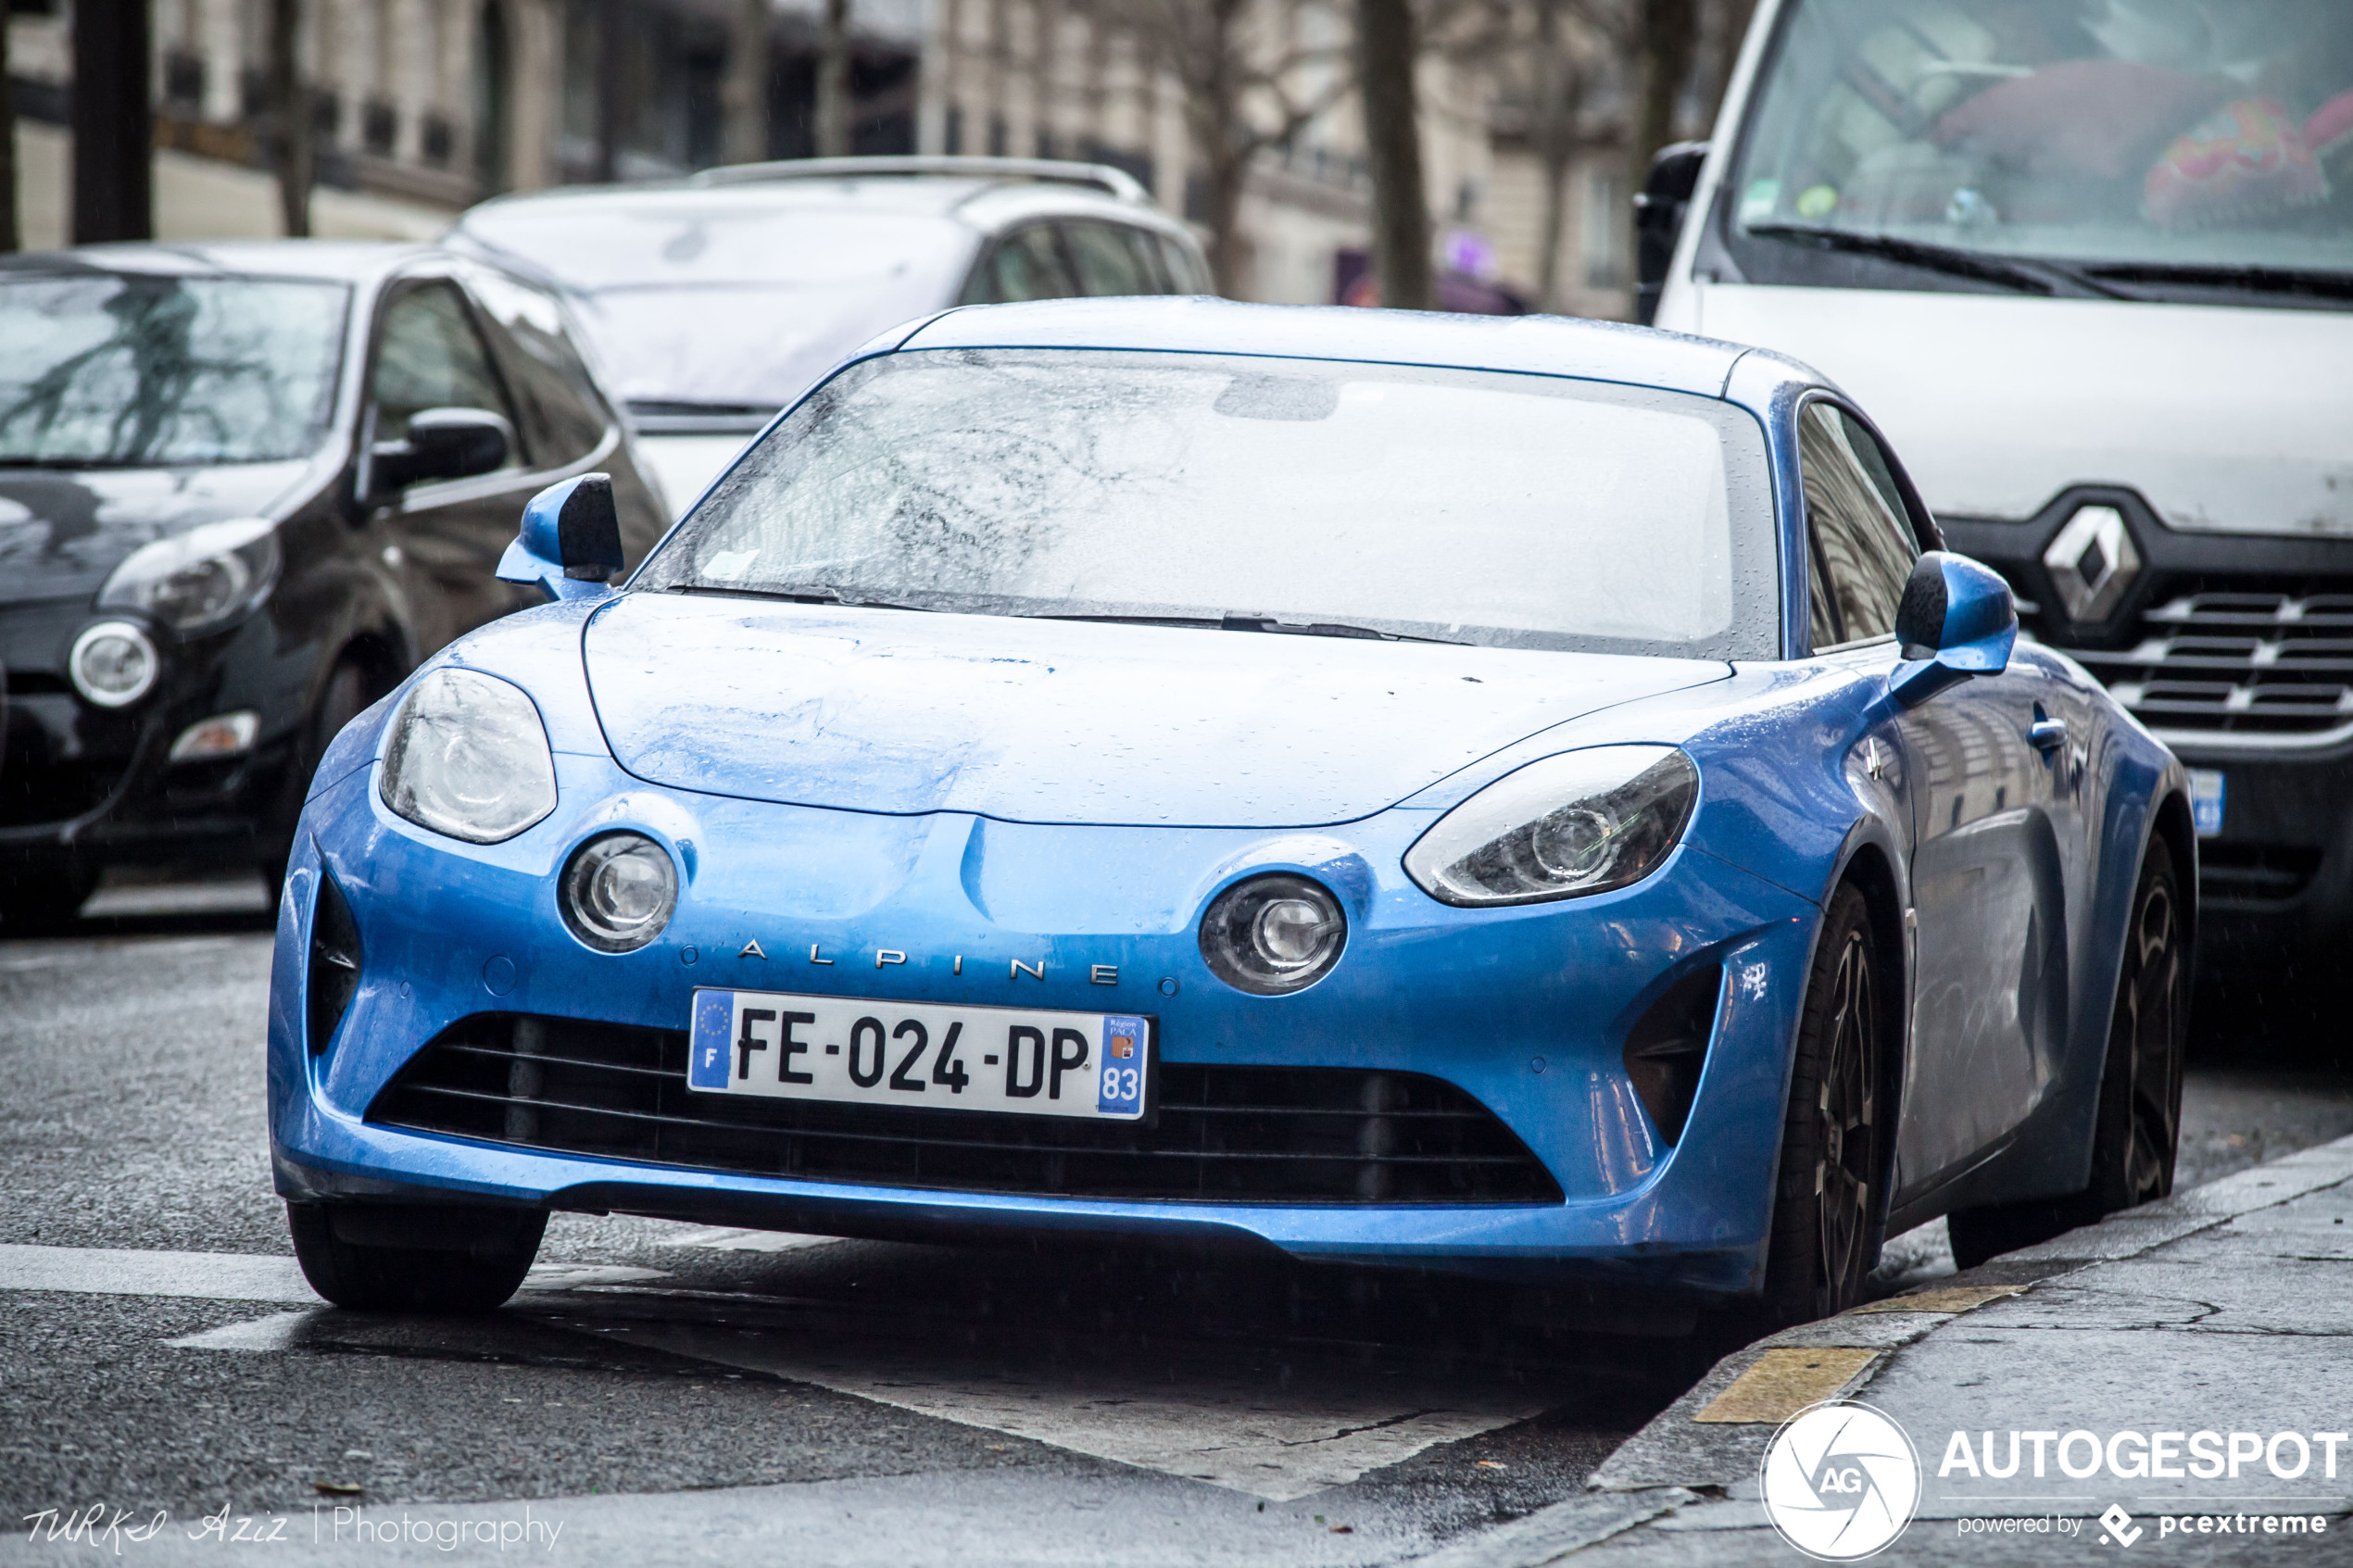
1184,275
559,396
1863,548
429,355
1029,265
1107,264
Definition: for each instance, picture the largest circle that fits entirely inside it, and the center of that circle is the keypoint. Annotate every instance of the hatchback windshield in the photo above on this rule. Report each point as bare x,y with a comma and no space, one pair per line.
2200,143
1277,494
128,370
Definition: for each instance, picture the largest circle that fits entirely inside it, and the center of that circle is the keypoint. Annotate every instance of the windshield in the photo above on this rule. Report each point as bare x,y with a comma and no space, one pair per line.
700,298
126,370
1276,494
2137,143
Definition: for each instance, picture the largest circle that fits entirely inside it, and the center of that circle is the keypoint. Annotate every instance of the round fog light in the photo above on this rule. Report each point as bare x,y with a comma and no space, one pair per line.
619,892
113,664
1273,934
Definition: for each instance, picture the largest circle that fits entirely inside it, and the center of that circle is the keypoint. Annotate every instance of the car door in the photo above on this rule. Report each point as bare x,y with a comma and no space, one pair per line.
443,537
1988,889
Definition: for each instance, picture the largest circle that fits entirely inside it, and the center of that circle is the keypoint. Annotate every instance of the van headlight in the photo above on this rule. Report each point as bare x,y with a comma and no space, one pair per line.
201,580
1584,821
467,756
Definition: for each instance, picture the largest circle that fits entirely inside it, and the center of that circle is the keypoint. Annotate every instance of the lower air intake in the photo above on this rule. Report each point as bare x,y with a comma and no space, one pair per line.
1247,1134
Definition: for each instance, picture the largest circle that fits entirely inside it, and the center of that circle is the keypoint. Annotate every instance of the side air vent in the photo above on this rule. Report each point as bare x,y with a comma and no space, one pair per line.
334,962
1668,1044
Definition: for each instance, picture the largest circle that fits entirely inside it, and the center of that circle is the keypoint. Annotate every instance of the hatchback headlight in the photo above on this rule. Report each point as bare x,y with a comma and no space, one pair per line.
1584,821
619,892
467,756
201,580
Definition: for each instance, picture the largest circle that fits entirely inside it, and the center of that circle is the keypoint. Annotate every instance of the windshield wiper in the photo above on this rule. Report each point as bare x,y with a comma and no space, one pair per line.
796,593
2023,274
2224,278
1230,622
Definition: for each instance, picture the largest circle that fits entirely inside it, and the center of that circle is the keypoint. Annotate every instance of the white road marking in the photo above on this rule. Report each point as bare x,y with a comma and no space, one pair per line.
1211,1412
1195,1410
722,1239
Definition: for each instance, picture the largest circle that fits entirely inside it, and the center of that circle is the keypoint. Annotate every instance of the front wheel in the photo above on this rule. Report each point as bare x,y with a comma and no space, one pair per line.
415,1258
1828,1204
2139,1129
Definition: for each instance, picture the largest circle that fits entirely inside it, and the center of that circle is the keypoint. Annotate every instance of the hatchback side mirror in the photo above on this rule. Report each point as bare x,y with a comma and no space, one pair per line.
1957,620
570,545
441,443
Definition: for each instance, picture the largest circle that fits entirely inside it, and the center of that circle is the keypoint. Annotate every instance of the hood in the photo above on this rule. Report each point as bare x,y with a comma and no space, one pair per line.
2228,422
62,530
1067,722
662,345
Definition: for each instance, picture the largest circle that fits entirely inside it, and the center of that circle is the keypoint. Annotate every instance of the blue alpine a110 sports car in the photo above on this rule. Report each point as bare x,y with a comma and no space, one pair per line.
1528,799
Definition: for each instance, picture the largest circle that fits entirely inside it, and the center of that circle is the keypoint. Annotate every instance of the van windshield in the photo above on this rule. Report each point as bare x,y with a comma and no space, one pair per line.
2184,149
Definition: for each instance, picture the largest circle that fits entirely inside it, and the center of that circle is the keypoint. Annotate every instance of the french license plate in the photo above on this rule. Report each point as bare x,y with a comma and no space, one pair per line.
1014,1059
2207,794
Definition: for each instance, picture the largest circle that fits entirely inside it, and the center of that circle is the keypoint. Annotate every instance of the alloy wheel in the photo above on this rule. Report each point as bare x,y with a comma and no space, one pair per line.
2153,1002
1846,1152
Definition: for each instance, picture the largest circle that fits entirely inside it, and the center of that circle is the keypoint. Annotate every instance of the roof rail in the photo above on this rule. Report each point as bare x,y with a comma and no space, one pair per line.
1100,176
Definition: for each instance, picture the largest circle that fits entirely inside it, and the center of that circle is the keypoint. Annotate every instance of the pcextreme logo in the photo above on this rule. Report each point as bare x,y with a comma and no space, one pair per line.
1841,1481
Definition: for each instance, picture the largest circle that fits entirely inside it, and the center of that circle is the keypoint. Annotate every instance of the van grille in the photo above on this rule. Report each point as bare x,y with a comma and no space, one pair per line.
1263,1134
2277,663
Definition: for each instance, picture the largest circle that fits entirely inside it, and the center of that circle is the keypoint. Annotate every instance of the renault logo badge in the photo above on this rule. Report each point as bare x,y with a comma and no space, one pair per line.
2092,562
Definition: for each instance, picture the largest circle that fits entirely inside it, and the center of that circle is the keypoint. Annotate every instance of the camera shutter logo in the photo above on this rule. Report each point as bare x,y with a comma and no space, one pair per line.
1841,1481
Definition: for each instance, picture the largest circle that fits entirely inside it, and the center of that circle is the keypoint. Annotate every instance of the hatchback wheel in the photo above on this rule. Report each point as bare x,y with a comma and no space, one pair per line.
415,1258
1828,1204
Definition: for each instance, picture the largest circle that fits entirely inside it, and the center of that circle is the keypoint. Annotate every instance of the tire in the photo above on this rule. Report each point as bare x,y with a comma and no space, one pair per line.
41,896
1829,1202
399,1258
342,697
2137,1135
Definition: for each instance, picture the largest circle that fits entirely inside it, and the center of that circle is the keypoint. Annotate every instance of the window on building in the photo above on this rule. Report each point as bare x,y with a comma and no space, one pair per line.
1608,222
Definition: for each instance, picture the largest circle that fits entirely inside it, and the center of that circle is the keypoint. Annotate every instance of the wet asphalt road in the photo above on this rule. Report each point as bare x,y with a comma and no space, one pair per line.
889,1403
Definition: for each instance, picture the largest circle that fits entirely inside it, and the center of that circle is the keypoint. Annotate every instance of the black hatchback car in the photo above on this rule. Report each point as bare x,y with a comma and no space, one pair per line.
244,490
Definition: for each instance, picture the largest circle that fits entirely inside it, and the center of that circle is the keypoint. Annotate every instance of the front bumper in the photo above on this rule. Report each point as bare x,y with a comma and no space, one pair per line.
1525,1010
97,785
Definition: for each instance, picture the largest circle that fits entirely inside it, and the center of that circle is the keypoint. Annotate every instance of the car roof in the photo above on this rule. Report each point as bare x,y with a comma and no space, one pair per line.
1557,345
342,260
986,204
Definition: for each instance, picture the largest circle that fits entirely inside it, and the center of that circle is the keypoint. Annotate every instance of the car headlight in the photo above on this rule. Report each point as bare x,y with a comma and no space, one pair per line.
1584,821
113,664
467,756
200,580
1272,935
619,892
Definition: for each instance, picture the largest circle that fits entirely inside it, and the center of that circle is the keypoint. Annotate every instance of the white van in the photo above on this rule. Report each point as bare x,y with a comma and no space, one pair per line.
2090,265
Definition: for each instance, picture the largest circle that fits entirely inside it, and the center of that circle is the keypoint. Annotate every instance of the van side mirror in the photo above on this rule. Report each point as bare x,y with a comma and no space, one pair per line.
441,443
570,545
1957,620
1659,208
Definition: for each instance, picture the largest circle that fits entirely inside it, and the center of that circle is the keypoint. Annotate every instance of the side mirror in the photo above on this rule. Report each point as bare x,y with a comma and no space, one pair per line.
1659,207
570,545
441,443
1957,620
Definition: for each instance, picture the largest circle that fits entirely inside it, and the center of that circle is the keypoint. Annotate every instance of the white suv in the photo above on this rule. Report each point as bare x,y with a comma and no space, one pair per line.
714,300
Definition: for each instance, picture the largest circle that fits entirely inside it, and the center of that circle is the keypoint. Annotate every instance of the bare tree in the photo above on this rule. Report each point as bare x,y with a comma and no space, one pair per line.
742,92
832,128
1387,52
1665,40
9,239
1239,66
291,130
1558,102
